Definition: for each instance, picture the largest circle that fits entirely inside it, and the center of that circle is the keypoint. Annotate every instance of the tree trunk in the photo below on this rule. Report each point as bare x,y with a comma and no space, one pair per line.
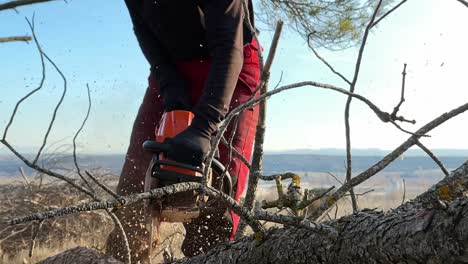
432,228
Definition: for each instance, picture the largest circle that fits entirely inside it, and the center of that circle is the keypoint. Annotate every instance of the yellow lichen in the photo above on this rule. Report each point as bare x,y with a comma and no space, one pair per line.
444,192
296,180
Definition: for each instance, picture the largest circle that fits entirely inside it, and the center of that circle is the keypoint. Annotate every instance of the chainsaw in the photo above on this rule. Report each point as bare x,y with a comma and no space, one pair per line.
184,206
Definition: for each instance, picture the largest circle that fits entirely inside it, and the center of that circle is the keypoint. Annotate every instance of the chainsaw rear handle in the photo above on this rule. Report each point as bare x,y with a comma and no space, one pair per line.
156,147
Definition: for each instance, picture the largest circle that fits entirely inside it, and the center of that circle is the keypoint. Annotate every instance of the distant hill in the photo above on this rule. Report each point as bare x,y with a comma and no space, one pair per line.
273,163
373,152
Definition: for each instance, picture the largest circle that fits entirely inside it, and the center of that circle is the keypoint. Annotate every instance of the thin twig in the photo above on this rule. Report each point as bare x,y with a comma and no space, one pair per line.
294,221
230,148
336,211
118,224
236,153
34,236
23,175
75,160
433,157
404,192
103,186
59,103
326,62
402,98
348,104
4,141
45,171
316,198
114,218
393,115
404,130
389,12
334,177
41,83
15,38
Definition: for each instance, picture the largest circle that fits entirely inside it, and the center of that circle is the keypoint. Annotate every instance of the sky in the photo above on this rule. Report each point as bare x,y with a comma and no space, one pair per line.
92,42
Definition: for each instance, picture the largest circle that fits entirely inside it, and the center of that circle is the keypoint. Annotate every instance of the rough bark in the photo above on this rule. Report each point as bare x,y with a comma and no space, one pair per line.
80,255
432,228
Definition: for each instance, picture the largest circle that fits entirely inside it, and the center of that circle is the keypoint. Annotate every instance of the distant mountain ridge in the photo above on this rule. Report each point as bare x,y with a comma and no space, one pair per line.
273,163
371,152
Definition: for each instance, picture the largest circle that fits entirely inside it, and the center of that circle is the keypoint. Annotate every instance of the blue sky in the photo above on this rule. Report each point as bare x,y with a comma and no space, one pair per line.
92,42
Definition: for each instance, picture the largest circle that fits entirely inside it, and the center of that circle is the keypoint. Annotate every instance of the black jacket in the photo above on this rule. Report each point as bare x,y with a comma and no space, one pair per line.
177,30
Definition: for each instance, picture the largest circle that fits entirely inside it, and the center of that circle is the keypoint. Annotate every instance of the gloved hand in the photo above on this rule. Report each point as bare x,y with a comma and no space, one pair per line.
191,146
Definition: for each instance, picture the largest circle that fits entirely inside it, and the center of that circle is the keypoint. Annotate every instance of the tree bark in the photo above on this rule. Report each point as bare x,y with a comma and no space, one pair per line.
432,228
80,255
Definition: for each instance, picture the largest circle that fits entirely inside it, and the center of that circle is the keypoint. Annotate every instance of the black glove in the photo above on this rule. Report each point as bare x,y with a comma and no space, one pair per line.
191,146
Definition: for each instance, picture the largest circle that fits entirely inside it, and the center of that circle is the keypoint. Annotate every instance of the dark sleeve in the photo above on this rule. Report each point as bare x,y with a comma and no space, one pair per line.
171,83
224,29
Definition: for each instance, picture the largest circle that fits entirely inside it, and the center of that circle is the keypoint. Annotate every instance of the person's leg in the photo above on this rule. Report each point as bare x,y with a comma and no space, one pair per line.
207,231
133,177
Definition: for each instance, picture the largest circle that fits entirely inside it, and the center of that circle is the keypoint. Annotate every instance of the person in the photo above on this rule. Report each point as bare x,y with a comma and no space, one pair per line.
203,58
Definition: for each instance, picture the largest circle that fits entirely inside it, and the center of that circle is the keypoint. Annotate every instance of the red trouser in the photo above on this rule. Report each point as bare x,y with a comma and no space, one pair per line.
149,114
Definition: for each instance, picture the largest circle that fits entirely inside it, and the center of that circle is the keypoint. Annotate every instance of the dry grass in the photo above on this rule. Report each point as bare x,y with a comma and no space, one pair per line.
91,229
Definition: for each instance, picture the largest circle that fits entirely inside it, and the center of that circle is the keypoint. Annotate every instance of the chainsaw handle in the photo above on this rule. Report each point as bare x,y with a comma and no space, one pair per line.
156,147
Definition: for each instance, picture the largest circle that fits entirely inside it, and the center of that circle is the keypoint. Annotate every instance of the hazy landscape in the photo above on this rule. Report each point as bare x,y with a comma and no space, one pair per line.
403,179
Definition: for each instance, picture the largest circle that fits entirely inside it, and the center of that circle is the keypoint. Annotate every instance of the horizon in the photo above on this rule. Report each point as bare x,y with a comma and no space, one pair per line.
356,152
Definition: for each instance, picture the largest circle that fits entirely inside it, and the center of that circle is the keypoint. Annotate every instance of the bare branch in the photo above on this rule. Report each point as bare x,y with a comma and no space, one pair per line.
59,103
16,38
23,175
18,3
41,83
4,141
463,2
393,115
257,158
348,104
295,221
119,225
404,192
236,153
388,12
75,160
325,61
433,157
230,148
34,236
316,198
274,46
329,201
282,176
45,171
133,198
102,185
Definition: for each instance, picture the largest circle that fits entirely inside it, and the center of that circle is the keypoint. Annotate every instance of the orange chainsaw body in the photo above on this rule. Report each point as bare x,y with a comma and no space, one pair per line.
181,207
171,124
